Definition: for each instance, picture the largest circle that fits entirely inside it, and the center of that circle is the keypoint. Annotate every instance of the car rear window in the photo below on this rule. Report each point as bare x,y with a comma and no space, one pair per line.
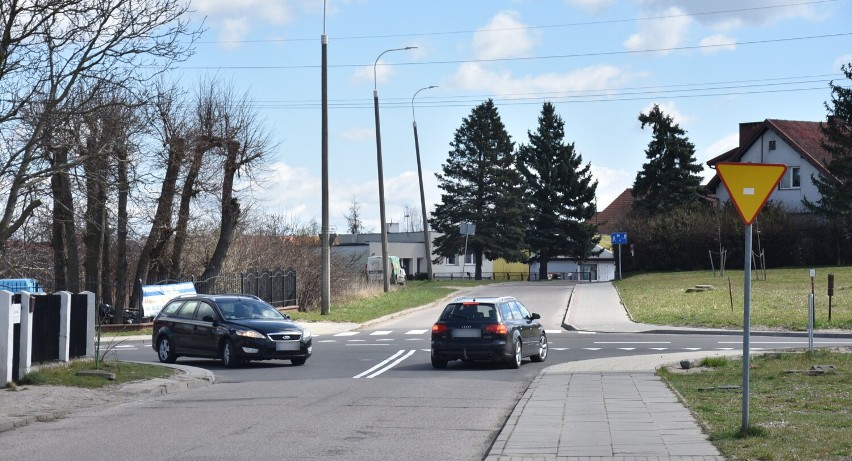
470,311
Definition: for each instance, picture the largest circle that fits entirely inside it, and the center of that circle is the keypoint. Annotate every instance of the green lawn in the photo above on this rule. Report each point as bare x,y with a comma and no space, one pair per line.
375,303
792,415
779,302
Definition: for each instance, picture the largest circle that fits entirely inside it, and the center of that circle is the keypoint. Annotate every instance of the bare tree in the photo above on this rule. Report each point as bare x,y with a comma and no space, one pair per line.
412,220
354,223
48,49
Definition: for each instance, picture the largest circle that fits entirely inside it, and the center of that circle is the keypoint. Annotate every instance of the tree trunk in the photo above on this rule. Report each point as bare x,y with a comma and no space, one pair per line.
187,194
230,212
95,222
121,236
65,253
161,224
543,259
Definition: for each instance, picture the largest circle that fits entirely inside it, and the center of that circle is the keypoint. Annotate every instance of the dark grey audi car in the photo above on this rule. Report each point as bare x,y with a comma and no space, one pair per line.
234,328
495,329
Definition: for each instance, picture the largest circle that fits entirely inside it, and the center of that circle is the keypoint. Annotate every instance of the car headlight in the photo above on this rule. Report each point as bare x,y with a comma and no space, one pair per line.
249,334
306,334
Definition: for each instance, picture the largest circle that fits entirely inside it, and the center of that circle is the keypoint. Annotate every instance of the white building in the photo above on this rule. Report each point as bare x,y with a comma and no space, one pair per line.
793,143
599,268
410,249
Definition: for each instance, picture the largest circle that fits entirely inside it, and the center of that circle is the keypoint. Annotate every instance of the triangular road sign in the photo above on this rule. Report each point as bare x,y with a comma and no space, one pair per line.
750,185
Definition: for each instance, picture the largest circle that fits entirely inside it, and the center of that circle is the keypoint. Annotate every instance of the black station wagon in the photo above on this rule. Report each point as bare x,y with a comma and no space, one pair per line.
500,329
233,328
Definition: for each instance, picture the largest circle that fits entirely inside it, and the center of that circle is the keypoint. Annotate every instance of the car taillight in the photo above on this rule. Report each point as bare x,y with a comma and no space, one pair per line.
496,328
439,328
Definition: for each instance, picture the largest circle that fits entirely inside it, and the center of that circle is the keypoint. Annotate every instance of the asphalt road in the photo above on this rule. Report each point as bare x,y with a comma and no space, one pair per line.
366,394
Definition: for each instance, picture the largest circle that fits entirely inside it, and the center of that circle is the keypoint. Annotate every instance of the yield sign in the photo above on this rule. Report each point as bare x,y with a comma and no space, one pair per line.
750,185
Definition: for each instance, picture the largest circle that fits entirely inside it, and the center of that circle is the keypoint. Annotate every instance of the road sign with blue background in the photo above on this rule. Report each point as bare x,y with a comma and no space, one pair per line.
619,238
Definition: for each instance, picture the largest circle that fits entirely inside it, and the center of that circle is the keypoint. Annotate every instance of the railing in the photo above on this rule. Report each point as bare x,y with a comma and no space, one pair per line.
587,276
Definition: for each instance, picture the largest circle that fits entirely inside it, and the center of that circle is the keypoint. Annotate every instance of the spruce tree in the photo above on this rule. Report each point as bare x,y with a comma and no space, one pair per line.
560,192
835,203
480,186
669,179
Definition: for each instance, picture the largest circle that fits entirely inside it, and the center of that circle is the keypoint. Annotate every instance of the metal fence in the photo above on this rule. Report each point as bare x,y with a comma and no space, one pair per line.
277,287
588,276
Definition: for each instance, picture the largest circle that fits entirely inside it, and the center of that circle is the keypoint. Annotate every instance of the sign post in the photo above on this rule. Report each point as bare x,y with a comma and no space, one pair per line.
467,229
619,238
749,185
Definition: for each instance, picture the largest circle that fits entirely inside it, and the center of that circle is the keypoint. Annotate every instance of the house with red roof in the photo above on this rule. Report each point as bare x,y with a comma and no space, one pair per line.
796,144
609,219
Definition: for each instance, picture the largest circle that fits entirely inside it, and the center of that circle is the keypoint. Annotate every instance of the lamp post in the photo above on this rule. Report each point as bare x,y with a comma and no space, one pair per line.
426,241
381,175
326,248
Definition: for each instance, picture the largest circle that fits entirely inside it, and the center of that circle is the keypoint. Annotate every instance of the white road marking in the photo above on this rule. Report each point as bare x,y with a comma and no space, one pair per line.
328,341
415,332
592,348
692,348
559,348
348,333
387,364
659,348
356,340
381,333
633,342
414,339
385,339
627,348
553,331
370,344
725,348
587,332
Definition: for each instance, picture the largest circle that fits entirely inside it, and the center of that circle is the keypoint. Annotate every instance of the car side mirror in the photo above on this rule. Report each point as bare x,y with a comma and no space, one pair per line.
535,316
208,318
287,316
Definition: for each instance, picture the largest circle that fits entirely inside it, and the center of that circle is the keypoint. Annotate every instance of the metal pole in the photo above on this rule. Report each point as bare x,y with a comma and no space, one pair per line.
426,241
619,261
326,248
746,325
385,277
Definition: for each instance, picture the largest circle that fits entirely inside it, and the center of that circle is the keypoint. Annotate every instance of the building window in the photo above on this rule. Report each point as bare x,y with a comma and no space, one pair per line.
452,260
791,179
772,144
468,259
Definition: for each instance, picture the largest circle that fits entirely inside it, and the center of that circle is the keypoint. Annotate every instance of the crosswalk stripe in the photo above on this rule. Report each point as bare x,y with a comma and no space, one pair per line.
415,332
381,333
348,333
553,331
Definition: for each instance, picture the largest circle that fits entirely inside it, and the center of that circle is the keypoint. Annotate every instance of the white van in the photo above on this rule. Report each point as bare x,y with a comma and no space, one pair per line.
374,270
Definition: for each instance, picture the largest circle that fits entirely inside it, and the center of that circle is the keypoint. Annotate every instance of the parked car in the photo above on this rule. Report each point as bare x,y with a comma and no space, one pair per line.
234,328
500,329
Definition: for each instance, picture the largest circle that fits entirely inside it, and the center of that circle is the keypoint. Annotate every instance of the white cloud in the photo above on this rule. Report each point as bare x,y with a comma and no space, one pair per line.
660,33
380,72
611,183
738,13
841,60
590,6
300,185
473,76
234,19
359,134
505,36
717,43
719,147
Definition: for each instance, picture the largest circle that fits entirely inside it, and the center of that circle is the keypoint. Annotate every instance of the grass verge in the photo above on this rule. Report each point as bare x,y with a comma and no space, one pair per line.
373,302
65,374
793,415
778,302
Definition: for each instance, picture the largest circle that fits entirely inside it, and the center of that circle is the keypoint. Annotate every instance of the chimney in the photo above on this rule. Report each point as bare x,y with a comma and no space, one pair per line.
747,131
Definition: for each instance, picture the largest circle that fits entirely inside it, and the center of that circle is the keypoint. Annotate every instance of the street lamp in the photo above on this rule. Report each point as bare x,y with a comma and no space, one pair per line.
326,250
426,241
381,176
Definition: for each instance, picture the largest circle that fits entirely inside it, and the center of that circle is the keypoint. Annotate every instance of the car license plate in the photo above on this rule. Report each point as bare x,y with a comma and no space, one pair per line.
286,345
467,333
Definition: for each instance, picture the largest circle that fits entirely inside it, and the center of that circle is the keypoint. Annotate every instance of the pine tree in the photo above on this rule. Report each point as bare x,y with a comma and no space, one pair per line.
835,204
670,178
560,191
480,186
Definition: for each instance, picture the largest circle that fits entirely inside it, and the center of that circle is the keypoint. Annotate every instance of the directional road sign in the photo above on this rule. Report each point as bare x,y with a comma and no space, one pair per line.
750,185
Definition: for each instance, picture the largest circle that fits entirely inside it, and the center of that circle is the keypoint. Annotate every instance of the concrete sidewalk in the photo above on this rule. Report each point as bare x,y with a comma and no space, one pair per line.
605,409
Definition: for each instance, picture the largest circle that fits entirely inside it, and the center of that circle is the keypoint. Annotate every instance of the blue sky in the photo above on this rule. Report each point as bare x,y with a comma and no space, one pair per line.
711,65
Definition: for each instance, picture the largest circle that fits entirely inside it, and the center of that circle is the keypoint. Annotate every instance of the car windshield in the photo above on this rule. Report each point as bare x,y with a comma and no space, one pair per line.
246,309
469,311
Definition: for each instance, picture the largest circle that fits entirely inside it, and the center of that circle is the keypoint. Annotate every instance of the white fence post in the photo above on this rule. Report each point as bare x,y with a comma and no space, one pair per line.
64,326
90,323
6,336
25,362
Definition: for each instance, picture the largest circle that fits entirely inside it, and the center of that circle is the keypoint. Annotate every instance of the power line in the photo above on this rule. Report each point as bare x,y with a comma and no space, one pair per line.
548,26
532,58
